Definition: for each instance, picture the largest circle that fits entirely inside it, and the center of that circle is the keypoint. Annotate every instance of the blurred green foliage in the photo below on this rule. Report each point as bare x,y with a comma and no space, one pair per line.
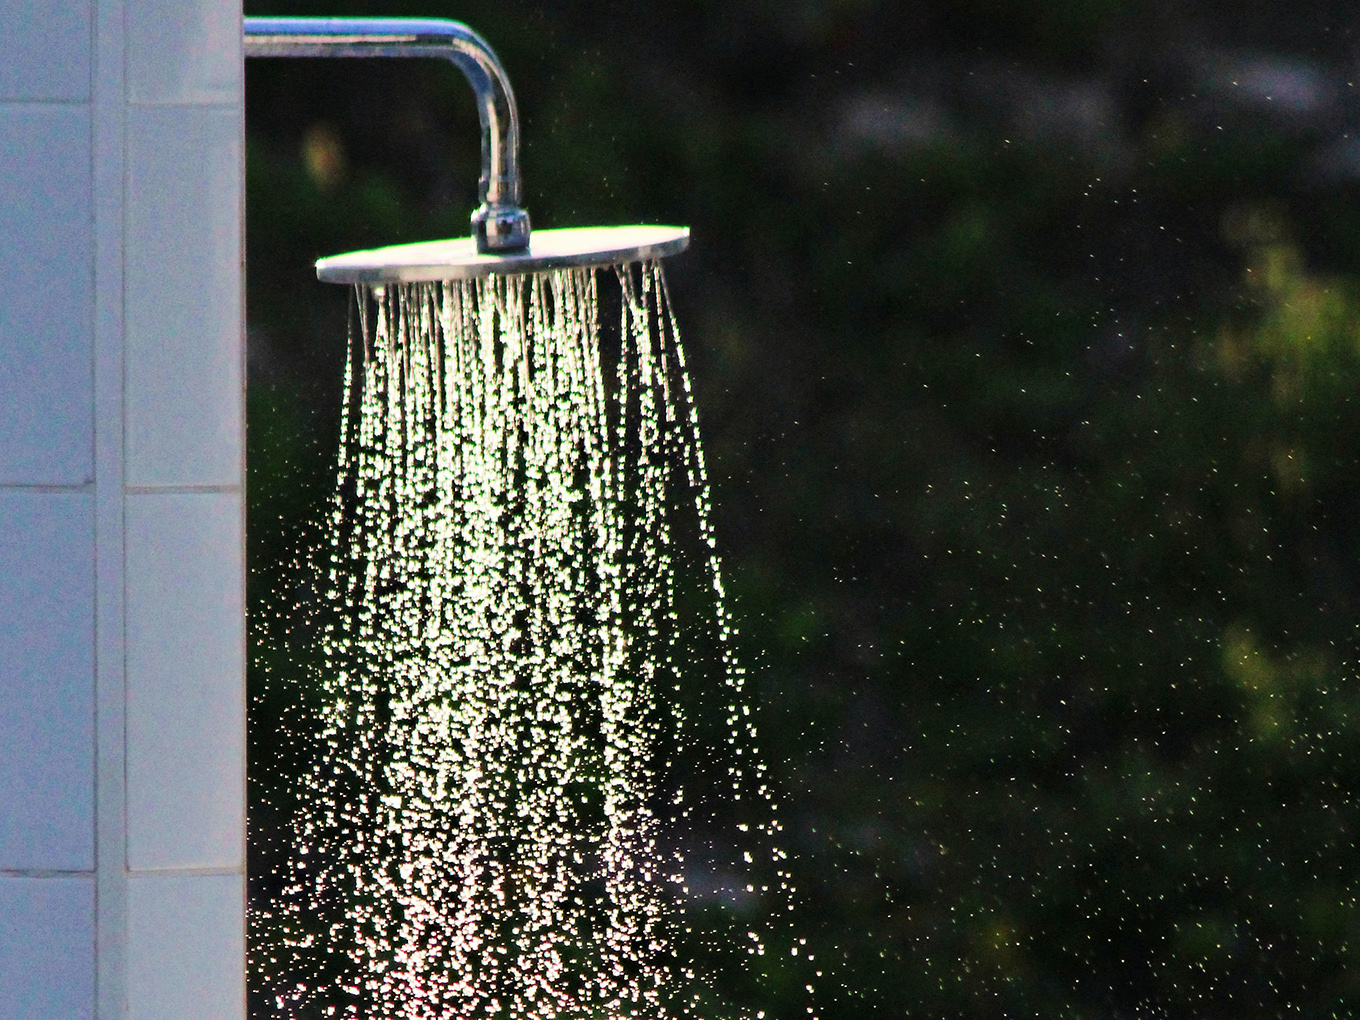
1026,351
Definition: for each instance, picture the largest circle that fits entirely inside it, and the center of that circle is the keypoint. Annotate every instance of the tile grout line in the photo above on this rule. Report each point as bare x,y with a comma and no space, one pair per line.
39,101
108,138
224,872
185,104
153,490
43,487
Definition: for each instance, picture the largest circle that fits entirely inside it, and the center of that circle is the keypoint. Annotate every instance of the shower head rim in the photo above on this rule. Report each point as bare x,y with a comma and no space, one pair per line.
458,259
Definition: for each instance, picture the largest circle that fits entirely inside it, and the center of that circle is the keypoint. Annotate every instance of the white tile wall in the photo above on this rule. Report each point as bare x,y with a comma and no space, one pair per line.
184,400
121,599
47,49
46,681
186,947
184,51
46,297
185,683
47,948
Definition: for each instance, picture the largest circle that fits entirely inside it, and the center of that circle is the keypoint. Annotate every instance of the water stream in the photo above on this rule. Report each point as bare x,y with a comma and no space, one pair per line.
493,825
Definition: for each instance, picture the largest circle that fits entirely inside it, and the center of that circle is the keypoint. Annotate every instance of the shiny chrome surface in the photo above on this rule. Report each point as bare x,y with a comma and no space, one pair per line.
459,259
499,224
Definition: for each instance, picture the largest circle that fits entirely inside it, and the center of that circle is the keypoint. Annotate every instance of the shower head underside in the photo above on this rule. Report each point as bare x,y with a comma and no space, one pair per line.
501,240
459,259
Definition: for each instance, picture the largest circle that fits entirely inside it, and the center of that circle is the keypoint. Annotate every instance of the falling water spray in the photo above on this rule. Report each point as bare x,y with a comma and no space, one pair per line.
493,823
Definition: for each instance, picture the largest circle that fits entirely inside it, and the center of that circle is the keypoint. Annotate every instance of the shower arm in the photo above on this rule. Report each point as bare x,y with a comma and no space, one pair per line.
499,224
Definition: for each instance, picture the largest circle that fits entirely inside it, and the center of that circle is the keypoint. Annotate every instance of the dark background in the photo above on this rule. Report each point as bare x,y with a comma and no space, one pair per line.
1025,338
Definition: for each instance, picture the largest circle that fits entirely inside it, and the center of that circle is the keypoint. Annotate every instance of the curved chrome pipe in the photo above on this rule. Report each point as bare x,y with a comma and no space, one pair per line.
499,224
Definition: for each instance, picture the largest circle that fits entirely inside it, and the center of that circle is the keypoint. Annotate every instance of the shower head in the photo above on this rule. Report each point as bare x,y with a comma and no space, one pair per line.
459,259
500,241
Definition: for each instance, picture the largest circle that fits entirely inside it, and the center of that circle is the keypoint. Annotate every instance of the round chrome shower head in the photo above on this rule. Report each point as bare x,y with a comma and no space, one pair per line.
459,259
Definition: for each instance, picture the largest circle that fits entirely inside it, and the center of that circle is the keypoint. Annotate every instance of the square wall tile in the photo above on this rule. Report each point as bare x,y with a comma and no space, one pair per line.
186,953
186,699
46,681
47,305
47,51
185,341
184,51
47,948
